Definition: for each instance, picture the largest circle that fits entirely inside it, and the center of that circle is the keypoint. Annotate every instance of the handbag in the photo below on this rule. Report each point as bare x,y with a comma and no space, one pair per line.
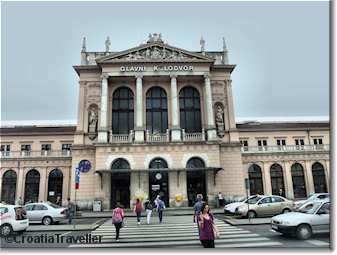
216,231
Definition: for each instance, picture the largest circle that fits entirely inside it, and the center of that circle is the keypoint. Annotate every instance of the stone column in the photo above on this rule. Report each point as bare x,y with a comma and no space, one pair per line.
211,131
103,129
327,174
308,172
175,130
288,181
266,180
43,184
139,129
20,184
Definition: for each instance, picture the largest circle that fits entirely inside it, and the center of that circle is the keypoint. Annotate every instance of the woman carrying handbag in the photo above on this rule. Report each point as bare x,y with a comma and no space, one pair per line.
117,219
208,230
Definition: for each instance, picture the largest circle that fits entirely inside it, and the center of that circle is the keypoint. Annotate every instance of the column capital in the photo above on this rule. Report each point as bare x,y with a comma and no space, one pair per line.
139,75
104,76
173,75
206,75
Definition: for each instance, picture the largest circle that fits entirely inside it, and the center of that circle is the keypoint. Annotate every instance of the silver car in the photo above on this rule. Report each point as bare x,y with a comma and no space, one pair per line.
46,213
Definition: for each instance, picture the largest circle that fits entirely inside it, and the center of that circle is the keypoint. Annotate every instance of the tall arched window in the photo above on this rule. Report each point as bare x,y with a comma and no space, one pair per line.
8,189
297,175
255,180
277,183
55,185
319,178
190,114
122,111
156,110
120,183
32,186
158,180
196,180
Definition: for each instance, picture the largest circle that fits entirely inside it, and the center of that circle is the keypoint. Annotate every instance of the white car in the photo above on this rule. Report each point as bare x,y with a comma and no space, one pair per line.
312,197
231,208
312,217
12,219
46,213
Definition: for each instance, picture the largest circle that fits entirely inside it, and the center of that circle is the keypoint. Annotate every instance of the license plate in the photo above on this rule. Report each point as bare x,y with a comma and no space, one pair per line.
274,227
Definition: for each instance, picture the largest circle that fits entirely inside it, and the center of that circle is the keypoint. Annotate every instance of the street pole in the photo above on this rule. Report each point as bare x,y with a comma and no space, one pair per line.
75,210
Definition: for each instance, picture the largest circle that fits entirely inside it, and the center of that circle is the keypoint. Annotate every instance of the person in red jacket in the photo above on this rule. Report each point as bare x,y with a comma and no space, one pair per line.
138,210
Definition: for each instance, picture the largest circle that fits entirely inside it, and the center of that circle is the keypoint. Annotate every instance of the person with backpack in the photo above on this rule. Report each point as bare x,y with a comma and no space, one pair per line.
148,208
117,219
160,209
138,210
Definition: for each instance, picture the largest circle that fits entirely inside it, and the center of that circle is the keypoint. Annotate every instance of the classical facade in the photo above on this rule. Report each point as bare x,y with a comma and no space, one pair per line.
156,119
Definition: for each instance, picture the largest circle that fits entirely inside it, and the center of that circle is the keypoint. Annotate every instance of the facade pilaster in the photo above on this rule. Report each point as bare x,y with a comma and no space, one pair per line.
211,131
288,182
103,129
139,130
175,130
308,172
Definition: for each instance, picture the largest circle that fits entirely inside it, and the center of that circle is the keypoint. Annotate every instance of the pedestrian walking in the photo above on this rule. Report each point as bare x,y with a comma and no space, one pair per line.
138,210
208,231
70,210
221,199
117,219
197,208
148,208
160,208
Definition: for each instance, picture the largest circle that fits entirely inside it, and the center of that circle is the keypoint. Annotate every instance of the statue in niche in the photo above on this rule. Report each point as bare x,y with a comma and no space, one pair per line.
93,119
219,120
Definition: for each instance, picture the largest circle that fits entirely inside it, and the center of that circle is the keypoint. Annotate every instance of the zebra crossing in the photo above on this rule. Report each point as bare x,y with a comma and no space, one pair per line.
175,231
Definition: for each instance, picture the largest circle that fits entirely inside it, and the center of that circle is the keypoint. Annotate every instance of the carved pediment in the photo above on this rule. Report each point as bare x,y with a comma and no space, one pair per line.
154,52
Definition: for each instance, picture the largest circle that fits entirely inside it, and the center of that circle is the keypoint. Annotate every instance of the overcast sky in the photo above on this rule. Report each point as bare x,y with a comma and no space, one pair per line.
281,50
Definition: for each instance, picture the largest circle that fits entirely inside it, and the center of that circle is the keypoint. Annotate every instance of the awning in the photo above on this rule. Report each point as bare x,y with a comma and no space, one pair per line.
216,169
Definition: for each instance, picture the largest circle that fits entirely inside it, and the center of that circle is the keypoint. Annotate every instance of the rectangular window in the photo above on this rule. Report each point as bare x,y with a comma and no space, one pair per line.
262,145
299,142
5,150
318,142
25,149
281,143
244,145
45,149
66,148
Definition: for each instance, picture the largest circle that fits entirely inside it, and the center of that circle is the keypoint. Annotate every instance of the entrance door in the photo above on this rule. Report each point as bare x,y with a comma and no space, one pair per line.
120,183
196,184
158,181
120,189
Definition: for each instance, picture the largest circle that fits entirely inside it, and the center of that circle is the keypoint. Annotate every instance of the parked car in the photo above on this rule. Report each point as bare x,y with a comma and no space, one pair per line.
230,208
265,206
312,197
46,213
312,217
13,219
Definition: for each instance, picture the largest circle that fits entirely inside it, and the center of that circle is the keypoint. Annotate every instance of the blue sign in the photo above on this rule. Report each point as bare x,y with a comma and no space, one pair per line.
84,166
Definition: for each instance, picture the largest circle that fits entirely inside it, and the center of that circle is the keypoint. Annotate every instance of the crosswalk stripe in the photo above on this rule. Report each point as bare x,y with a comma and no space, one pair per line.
318,242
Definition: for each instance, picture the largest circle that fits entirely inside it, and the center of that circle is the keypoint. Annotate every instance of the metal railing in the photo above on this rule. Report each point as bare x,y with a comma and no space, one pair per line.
193,137
121,138
285,148
35,154
158,137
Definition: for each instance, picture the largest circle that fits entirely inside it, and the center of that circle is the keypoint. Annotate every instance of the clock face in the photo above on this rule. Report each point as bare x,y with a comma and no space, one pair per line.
84,166
158,176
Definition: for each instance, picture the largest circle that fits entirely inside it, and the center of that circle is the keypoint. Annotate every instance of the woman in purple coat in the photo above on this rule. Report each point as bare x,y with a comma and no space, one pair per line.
206,221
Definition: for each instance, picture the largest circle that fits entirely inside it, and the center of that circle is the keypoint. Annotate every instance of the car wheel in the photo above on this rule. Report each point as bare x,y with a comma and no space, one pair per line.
251,214
286,210
6,230
303,232
47,221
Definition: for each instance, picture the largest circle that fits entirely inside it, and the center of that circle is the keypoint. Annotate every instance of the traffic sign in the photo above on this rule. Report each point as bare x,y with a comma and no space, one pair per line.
84,166
77,178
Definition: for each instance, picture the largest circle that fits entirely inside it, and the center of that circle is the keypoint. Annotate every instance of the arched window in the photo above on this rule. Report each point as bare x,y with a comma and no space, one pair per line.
196,180
158,180
119,164
319,178
55,185
156,110
122,111
8,189
297,175
277,183
32,186
190,114
255,180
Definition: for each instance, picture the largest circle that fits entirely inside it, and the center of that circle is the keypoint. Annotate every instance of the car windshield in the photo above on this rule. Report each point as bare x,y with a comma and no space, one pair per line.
309,208
53,205
253,200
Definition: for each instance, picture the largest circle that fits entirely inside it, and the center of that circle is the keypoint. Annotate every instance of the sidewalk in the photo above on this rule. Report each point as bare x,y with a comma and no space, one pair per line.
238,221
130,213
